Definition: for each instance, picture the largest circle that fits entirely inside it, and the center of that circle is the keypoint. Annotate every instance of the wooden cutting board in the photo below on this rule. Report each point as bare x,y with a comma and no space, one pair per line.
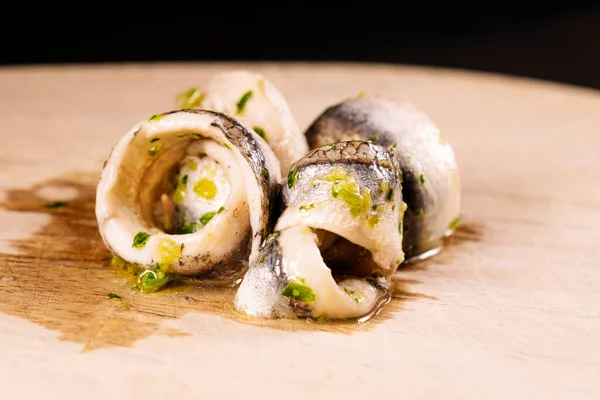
510,309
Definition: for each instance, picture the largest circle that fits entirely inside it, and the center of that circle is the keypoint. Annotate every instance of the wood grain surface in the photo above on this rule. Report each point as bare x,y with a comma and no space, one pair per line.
510,308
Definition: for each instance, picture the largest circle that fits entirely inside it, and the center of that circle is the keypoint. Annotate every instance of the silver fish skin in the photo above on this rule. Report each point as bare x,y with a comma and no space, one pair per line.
338,240
431,184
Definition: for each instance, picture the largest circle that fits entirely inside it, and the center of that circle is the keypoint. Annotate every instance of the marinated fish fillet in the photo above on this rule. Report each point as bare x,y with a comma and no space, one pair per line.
254,101
338,240
431,182
187,192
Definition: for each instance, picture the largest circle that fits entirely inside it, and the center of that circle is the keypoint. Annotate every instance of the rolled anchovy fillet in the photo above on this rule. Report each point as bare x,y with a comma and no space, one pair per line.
187,192
257,104
431,181
338,240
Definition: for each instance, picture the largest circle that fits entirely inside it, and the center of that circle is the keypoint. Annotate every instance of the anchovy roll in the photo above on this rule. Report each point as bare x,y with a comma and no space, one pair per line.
187,192
338,240
431,182
257,104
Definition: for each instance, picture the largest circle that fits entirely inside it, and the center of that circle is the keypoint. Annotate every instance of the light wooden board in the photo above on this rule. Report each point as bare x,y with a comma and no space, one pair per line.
510,310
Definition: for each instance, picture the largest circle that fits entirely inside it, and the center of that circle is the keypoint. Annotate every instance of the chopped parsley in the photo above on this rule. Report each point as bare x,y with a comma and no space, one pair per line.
188,226
373,220
454,224
299,291
346,189
307,207
421,178
389,196
154,150
154,140
261,133
55,204
191,98
155,117
292,178
140,240
265,174
355,295
205,219
262,258
113,296
241,104
151,280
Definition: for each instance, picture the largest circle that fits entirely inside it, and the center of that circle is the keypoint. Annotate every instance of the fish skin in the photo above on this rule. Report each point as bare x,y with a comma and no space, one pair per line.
260,293
426,219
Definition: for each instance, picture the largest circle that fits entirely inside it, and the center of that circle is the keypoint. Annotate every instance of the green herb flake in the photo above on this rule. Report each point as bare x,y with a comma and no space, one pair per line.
260,132
292,178
154,150
347,190
188,226
265,174
241,104
374,207
262,258
373,138
355,295
113,296
373,220
299,291
197,135
179,190
389,196
421,178
56,204
307,207
151,280
191,98
205,219
385,164
140,240
155,117
394,145
454,224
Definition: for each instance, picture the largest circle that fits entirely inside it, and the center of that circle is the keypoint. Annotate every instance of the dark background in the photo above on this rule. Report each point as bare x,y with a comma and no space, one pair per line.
553,41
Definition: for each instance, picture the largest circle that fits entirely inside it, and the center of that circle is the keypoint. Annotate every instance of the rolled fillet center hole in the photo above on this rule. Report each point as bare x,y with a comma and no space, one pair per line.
193,191
346,259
